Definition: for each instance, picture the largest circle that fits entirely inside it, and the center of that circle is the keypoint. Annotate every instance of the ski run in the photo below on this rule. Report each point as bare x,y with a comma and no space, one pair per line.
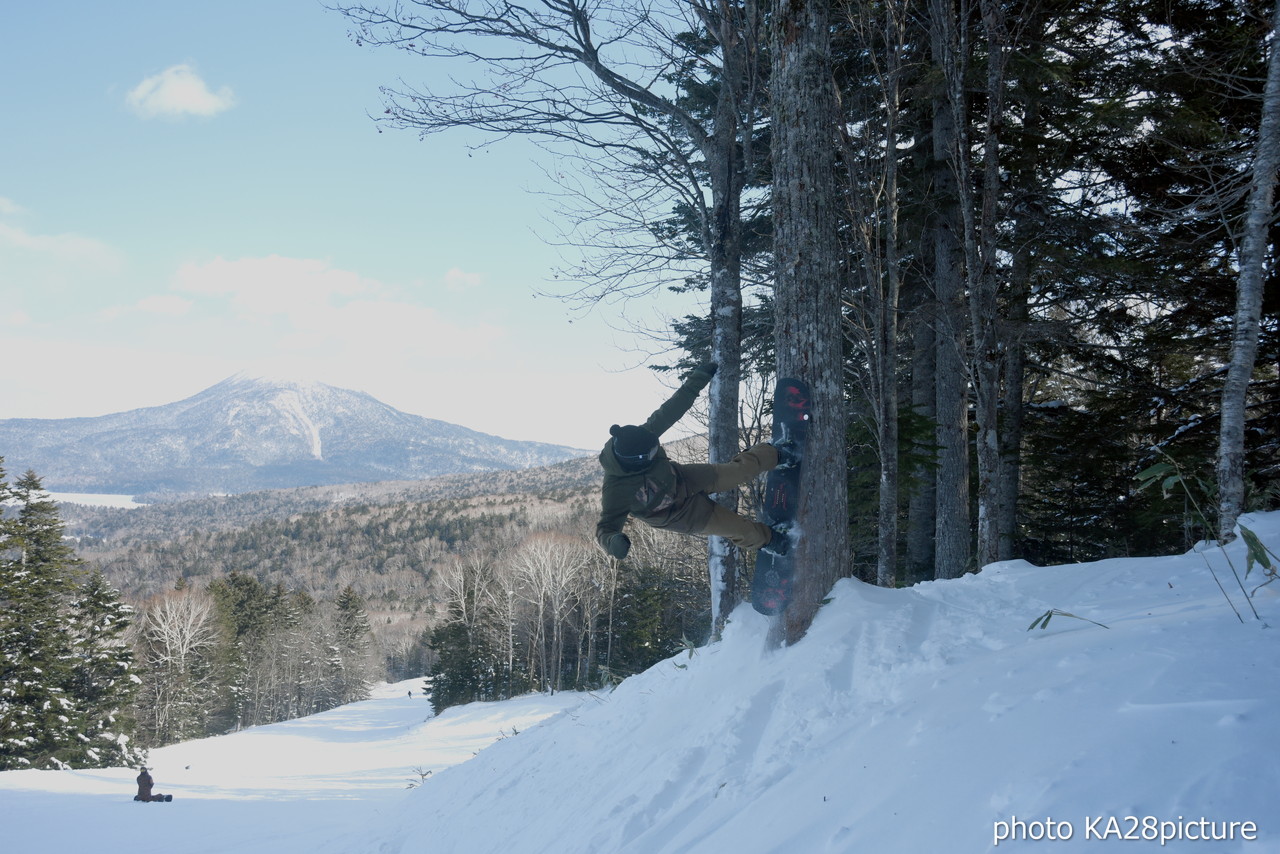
927,719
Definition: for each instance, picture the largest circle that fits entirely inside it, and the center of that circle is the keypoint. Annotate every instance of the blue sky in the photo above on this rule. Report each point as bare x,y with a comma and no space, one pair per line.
191,190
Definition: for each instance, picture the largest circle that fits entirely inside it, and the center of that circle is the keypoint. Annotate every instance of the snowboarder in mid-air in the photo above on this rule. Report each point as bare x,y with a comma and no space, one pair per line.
640,481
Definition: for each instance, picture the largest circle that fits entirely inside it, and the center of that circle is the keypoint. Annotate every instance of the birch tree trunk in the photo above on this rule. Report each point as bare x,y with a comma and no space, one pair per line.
808,288
1244,339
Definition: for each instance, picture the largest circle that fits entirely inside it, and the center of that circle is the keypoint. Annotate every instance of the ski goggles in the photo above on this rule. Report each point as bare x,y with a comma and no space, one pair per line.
635,459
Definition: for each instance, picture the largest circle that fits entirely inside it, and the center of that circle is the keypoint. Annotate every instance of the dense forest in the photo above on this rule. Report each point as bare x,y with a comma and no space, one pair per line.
242,610
214,630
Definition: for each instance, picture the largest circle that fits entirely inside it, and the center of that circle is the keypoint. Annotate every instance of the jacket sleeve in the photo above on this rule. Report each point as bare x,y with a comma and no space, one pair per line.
674,409
613,515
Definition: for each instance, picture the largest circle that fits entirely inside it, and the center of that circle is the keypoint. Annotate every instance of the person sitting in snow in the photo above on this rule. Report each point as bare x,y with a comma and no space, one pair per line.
144,788
640,481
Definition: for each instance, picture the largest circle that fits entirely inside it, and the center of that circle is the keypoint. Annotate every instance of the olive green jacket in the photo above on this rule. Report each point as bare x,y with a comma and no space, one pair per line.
659,494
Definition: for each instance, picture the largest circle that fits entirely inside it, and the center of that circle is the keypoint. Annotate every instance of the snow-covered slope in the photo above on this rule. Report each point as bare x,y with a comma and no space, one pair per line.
318,783
920,720
248,433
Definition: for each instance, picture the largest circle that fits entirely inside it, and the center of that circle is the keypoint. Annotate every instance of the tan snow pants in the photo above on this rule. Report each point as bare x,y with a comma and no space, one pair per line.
721,477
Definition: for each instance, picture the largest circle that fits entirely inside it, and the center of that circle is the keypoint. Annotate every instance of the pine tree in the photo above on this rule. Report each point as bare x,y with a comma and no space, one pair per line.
39,716
353,635
103,681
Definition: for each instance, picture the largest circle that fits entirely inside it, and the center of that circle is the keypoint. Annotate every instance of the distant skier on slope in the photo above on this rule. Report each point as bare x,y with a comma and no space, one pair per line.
640,481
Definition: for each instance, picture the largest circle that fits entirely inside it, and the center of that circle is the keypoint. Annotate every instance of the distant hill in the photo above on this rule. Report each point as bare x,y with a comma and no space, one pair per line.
246,434
109,527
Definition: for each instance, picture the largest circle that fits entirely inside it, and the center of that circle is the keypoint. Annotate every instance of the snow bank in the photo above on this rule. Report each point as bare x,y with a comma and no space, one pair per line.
908,720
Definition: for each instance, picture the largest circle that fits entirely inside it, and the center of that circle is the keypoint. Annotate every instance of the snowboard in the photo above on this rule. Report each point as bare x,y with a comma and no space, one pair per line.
771,587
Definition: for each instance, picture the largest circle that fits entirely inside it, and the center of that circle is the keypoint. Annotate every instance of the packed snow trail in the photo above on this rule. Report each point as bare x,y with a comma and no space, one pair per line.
926,719
287,787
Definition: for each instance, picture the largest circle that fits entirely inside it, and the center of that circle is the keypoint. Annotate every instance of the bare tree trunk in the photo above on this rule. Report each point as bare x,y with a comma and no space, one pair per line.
725,251
895,20
1013,406
1244,339
951,537
981,260
807,288
921,509
728,153
872,162
625,117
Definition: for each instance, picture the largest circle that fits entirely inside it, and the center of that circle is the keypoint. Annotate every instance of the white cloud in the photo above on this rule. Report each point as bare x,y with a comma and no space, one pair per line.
262,287
178,91
458,279
15,317
307,308
63,247
162,305
165,304
8,207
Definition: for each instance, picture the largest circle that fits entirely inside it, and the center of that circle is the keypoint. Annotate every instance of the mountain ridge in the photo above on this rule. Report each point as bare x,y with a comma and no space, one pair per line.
251,433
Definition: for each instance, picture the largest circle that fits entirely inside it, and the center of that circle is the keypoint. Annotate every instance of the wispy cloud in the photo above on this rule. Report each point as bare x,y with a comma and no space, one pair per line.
178,91
8,207
164,305
306,306
63,247
14,317
458,279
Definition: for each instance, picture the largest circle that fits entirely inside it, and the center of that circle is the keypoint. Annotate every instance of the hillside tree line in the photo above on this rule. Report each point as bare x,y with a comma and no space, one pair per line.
87,680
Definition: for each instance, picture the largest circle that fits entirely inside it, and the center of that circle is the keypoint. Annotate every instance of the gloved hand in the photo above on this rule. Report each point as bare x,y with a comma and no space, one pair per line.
705,371
619,545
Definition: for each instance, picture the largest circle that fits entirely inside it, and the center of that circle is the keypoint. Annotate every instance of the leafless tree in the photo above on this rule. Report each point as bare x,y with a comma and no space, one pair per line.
612,80
1249,288
175,636
549,565
870,138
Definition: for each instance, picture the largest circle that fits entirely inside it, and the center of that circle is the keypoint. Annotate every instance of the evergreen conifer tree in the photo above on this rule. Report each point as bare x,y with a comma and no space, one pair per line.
63,675
354,633
103,681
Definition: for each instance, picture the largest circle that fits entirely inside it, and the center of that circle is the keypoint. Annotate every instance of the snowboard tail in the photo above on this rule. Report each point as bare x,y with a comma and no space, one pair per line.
771,586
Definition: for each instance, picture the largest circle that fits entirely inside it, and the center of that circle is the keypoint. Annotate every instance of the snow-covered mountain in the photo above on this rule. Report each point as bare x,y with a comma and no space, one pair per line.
248,433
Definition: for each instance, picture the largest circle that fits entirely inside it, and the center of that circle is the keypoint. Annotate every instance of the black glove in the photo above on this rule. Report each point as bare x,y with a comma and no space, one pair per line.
705,371
619,545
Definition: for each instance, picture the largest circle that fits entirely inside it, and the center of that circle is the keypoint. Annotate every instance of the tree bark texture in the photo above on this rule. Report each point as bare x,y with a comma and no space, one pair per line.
921,507
981,260
725,163
1244,339
951,537
808,288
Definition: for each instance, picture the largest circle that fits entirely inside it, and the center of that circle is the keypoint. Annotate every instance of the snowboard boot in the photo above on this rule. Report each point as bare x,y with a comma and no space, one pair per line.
787,456
779,544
